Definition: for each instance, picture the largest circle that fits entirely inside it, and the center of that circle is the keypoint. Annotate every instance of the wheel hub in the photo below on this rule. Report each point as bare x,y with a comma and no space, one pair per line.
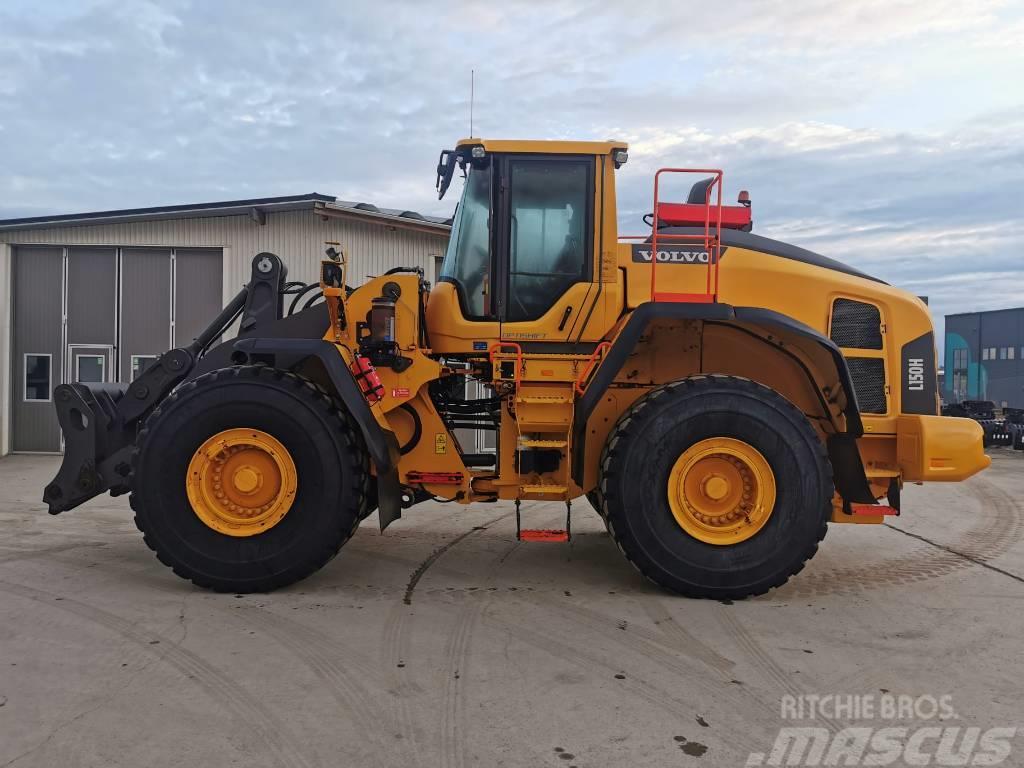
241,482
716,487
721,491
247,479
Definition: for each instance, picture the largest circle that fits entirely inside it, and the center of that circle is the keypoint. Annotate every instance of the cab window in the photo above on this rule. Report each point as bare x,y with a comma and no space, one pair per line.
467,261
548,232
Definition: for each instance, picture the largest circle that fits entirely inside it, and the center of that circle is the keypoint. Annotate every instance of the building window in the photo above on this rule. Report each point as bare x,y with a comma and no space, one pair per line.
91,369
984,354
37,377
959,374
991,353
141,363
1002,353
1010,352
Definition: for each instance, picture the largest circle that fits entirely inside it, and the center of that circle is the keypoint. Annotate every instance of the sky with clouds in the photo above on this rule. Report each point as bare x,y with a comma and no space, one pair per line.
885,133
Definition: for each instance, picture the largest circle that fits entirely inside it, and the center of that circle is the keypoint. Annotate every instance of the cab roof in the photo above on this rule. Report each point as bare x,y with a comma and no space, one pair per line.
545,147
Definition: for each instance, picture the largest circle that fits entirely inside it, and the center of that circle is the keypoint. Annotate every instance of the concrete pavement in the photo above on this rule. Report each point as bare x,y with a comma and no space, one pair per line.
501,654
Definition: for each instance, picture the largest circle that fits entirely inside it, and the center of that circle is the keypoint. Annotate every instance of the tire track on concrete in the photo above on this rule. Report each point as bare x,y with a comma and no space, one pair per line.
989,537
457,656
433,557
763,661
263,727
639,686
320,654
650,648
17,555
680,639
656,642
964,555
396,642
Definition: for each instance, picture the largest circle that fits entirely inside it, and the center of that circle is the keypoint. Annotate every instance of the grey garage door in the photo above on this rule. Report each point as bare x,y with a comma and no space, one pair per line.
38,346
94,314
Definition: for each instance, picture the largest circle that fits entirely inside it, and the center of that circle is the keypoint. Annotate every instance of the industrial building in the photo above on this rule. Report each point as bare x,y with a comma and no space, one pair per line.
985,357
94,297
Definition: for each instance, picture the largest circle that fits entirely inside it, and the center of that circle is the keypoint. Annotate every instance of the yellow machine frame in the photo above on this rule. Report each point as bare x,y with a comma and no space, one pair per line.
545,363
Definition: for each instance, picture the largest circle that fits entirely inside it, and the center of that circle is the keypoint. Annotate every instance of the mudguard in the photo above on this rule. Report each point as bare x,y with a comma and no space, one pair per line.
850,477
381,444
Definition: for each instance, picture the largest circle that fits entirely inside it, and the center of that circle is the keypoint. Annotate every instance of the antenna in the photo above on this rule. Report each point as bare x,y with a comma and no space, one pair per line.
472,78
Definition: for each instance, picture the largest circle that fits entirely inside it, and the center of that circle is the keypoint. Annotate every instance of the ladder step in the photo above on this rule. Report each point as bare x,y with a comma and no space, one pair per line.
543,488
479,459
872,509
529,443
878,472
435,478
543,399
543,534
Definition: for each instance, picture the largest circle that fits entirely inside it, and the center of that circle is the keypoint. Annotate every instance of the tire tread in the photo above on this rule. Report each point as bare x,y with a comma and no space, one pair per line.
633,420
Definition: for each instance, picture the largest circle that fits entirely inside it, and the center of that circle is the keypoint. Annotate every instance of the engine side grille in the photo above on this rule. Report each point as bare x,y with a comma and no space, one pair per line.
868,374
856,325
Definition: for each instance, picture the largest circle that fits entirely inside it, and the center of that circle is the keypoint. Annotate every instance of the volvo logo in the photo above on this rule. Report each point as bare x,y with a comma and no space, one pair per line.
677,255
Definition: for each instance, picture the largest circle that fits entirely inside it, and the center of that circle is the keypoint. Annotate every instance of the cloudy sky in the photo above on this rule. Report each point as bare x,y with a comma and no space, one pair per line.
886,133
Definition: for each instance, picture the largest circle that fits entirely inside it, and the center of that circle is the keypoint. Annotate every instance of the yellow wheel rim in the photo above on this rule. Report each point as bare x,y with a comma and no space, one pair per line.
241,482
721,491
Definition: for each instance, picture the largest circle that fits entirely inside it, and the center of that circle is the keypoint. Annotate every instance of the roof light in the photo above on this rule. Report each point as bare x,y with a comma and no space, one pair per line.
478,152
619,157
744,198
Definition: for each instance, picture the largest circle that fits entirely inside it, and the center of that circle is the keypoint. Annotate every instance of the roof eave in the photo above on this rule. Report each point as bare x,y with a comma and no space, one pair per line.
115,217
329,210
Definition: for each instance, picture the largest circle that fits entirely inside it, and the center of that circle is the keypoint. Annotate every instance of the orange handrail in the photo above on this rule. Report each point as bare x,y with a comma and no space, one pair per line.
590,365
711,238
497,347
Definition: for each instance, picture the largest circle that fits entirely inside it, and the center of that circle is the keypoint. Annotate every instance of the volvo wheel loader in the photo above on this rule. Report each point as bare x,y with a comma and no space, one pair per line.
719,397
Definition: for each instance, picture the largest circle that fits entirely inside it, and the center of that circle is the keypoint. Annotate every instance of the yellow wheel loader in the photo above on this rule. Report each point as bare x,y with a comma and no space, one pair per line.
719,397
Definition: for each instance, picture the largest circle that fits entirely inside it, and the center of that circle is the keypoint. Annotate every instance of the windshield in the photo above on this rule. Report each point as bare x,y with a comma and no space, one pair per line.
467,260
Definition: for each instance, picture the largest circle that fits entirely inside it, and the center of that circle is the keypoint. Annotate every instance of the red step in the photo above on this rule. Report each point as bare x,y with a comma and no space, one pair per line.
543,534
434,478
872,509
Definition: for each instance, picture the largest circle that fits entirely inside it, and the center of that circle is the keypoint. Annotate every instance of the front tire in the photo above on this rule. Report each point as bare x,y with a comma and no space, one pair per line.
179,479
744,526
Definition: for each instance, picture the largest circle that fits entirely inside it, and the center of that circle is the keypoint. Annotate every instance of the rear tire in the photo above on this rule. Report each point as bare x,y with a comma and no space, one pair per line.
328,454
647,444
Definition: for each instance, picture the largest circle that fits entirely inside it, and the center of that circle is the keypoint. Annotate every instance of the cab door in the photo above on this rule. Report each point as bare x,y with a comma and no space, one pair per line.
545,248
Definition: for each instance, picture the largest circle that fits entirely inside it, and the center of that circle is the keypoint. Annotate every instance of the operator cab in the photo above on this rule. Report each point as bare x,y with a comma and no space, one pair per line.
523,233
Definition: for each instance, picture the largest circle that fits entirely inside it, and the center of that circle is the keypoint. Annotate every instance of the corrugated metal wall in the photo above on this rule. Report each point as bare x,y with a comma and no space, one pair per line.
296,236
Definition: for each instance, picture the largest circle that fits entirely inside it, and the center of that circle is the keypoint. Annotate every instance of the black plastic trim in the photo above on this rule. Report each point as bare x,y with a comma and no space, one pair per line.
768,317
344,383
752,242
556,347
922,399
848,470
